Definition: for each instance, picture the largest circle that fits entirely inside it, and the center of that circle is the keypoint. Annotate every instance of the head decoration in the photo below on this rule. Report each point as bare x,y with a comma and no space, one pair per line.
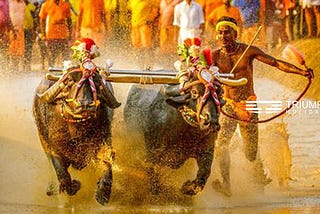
188,44
86,45
226,23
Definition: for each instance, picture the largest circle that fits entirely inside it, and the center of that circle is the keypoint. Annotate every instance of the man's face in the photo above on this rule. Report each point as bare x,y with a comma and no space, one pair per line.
226,35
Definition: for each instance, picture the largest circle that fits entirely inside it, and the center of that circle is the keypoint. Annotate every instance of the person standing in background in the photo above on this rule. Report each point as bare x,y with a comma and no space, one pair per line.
209,6
312,15
144,14
167,40
267,12
29,33
289,13
280,35
250,10
56,29
226,9
16,45
6,27
189,20
112,18
92,21
40,41
74,6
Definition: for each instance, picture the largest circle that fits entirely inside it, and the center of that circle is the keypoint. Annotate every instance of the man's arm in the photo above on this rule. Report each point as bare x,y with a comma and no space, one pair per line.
281,65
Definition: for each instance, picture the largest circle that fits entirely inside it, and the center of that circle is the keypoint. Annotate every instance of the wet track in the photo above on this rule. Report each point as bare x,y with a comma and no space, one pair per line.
24,171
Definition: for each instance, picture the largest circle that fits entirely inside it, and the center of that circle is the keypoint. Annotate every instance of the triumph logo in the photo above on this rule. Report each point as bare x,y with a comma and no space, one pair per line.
263,106
273,107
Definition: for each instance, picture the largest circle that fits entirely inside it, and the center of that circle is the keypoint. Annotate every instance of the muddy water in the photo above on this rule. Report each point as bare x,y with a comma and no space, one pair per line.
290,149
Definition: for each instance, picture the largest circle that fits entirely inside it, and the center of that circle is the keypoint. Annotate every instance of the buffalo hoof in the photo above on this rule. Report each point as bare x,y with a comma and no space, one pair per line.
71,189
155,188
103,192
52,189
191,188
221,188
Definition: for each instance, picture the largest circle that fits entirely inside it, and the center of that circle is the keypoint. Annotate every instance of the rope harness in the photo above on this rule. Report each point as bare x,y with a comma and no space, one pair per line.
187,113
275,116
64,108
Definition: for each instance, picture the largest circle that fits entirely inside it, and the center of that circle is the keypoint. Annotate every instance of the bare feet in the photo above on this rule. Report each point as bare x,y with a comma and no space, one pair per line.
221,188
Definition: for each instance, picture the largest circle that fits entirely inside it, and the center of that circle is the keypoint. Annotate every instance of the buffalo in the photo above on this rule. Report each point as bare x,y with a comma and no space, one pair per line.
176,127
76,130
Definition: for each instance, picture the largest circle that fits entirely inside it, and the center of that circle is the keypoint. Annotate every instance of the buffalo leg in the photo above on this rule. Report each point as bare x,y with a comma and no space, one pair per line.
154,178
103,192
204,162
67,185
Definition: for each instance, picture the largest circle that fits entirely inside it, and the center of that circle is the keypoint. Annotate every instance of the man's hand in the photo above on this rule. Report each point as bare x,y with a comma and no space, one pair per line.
308,73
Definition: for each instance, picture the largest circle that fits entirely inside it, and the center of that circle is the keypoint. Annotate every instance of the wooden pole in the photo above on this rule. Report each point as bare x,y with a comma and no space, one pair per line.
143,79
245,51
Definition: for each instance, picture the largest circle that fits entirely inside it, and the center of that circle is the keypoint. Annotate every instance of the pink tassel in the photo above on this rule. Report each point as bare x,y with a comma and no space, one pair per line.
291,52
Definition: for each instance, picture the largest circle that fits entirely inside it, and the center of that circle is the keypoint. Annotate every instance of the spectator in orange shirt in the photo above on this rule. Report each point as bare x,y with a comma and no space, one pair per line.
92,21
56,28
112,17
209,6
168,42
226,9
143,16
5,28
16,45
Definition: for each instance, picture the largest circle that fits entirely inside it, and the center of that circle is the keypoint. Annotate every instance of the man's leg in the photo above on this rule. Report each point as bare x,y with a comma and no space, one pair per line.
250,136
228,127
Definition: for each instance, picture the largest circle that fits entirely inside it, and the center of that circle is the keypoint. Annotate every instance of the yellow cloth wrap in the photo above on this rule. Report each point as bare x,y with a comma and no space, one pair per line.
240,107
226,23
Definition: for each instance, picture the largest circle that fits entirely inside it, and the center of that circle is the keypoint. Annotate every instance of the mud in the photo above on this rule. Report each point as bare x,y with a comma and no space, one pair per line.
289,148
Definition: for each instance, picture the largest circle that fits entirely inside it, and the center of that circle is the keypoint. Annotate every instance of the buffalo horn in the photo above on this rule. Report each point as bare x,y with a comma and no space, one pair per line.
229,82
53,77
51,93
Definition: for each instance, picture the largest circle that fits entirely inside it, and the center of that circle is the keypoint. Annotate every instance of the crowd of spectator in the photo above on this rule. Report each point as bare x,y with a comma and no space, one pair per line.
143,25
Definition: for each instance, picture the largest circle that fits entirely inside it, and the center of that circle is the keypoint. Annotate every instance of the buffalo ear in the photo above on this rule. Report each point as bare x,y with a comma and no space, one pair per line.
108,96
178,101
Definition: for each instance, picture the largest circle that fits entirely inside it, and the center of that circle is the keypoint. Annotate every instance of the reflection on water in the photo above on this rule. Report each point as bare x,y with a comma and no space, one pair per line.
25,173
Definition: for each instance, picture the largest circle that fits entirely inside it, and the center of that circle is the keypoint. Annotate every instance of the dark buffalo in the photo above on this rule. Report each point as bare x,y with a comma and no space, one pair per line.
187,128
73,133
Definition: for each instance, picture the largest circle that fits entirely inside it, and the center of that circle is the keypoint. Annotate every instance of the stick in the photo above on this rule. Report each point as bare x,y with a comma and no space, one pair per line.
245,51
130,72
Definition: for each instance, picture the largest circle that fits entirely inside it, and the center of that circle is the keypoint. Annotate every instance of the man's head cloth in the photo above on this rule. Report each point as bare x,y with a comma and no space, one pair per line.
227,21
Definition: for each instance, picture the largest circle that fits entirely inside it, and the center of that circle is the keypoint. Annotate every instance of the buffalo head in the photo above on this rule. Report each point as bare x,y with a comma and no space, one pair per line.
77,101
200,99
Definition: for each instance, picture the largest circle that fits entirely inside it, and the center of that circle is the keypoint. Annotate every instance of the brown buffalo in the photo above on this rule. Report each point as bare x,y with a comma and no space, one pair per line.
73,133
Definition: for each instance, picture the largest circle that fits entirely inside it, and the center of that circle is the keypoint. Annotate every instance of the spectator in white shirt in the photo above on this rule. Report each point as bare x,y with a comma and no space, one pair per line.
189,20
